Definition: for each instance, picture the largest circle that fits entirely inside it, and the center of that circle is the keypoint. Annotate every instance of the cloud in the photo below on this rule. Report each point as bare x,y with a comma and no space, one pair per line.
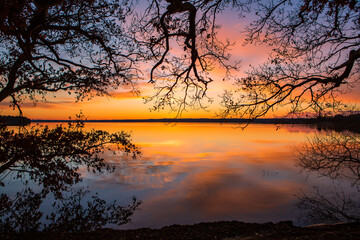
126,95
45,104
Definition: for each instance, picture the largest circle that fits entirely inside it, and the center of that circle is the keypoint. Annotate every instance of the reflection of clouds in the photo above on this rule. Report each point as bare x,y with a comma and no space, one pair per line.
231,186
217,194
299,128
220,192
125,94
46,104
158,167
161,143
269,141
207,172
276,157
142,174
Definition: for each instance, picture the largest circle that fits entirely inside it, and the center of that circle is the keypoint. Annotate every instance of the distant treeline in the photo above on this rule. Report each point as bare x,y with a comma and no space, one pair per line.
191,120
174,120
14,120
338,118
338,122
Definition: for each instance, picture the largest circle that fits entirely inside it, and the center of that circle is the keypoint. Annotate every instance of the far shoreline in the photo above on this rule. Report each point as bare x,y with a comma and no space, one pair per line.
226,230
193,120
348,122
337,122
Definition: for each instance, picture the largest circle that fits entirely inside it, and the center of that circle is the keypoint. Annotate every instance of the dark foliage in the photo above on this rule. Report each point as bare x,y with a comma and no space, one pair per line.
75,212
329,207
334,155
52,156
49,159
315,54
343,123
22,213
315,58
14,121
77,46
181,39
211,231
85,47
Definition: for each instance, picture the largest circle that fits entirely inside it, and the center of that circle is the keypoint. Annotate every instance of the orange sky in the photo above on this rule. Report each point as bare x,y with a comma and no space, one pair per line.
123,104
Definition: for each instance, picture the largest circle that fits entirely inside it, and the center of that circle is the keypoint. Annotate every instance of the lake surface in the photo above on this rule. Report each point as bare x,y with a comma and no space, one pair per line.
194,172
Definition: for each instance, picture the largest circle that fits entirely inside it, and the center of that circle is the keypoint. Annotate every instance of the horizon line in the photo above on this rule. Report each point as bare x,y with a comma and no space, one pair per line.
204,120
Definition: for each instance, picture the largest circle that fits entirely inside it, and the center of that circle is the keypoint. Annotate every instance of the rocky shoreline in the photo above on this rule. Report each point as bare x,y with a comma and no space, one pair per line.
226,230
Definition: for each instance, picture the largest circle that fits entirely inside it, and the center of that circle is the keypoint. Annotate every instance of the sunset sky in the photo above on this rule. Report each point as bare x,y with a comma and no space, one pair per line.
123,104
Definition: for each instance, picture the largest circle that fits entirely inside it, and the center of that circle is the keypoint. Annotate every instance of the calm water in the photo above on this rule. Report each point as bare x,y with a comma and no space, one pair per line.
194,172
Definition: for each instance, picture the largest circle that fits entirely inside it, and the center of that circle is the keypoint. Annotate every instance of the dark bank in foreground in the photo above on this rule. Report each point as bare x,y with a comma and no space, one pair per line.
231,230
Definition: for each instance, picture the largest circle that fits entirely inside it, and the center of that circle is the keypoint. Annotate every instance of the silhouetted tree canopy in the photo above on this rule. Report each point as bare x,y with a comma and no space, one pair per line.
87,47
181,38
74,212
316,52
50,159
48,46
14,121
78,46
52,156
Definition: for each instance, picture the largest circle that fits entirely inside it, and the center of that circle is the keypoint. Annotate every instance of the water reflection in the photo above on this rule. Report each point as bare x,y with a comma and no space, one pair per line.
194,172
335,155
41,164
330,206
208,172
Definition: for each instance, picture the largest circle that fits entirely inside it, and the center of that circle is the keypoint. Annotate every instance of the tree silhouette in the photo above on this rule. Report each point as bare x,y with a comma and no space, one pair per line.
46,46
83,46
181,39
74,215
21,213
315,56
334,155
50,158
329,207
76,46
75,212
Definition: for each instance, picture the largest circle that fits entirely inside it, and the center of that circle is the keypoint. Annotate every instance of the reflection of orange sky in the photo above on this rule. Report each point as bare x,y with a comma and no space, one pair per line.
202,144
195,172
